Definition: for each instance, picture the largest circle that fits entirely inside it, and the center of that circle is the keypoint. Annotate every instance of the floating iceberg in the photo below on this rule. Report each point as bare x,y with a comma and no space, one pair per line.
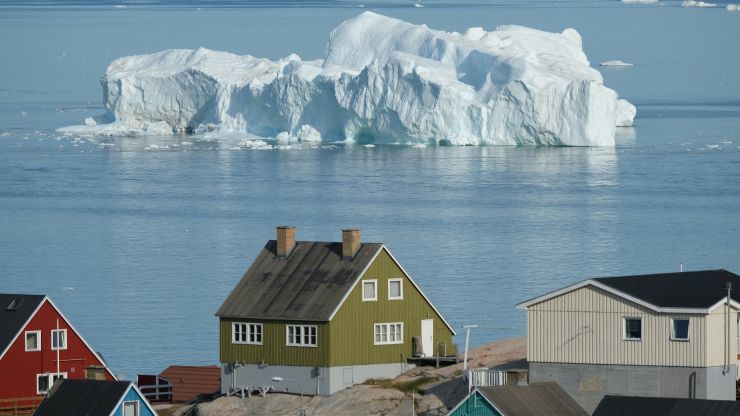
382,80
733,7
692,3
639,1
615,62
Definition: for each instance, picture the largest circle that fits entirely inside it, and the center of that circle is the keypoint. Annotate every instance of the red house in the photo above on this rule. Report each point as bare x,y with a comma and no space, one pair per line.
38,345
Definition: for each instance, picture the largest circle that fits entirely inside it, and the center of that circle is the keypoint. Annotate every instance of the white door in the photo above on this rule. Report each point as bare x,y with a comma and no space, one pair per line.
427,337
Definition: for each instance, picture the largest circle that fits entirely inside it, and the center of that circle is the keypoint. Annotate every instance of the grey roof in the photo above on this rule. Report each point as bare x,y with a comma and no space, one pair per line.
663,406
536,399
307,285
83,398
13,318
697,289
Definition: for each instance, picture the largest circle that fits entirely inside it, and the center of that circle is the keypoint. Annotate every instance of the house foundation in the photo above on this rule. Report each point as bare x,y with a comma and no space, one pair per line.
307,380
589,383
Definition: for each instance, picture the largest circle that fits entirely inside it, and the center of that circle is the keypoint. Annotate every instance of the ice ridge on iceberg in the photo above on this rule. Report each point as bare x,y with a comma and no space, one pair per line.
382,80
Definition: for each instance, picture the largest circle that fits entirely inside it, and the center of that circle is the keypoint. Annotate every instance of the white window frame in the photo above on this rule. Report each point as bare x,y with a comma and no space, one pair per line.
249,331
300,338
51,340
375,285
673,328
400,284
387,326
136,407
38,339
624,328
49,379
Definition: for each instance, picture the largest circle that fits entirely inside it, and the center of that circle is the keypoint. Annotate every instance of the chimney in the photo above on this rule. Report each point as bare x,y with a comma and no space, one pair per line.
94,372
350,242
285,240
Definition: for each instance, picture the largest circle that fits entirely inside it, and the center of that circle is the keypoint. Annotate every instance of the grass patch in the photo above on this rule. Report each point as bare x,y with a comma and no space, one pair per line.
413,385
406,386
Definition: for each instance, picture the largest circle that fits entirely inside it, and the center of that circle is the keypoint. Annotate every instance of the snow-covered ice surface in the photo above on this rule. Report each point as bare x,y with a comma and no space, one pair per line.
382,80
615,62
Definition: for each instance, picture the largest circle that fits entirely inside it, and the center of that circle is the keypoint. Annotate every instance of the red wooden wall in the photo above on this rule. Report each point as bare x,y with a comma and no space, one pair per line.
18,367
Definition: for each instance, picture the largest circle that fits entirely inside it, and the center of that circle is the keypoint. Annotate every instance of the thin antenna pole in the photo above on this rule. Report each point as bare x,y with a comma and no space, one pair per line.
680,265
52,340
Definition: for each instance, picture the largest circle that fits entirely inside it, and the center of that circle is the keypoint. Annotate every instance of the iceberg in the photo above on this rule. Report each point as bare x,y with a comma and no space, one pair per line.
639,1
693,3
615,62
382,80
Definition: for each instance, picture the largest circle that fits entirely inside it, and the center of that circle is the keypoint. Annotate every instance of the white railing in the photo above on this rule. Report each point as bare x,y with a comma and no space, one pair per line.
480,377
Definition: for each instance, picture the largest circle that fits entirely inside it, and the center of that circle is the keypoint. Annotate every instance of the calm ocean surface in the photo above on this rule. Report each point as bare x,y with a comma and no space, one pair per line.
141,239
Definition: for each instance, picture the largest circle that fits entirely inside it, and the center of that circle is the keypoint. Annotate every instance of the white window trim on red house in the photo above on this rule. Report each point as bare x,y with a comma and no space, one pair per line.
38,340
64,338
50,381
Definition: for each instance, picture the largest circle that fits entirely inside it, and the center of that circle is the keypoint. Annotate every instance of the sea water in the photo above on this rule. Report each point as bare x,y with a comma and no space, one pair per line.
139,240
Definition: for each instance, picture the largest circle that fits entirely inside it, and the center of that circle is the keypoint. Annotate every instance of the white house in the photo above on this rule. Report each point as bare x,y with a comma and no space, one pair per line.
659,335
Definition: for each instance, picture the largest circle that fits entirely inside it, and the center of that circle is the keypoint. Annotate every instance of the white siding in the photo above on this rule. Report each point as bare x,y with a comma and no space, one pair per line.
716,337
586,326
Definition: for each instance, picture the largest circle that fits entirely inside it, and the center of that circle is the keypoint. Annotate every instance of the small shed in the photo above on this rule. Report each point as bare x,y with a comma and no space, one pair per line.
188,382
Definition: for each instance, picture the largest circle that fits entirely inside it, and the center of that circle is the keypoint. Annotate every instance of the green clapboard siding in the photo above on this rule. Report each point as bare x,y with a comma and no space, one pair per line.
352,329
475,405
273,350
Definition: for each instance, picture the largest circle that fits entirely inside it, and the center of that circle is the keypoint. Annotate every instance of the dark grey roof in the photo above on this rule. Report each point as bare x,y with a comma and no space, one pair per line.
307,285
13,318
699,289
83,398
662,406
536,399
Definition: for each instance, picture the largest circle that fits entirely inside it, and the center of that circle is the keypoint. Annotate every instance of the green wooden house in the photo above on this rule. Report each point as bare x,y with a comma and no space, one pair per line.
536,399
322,316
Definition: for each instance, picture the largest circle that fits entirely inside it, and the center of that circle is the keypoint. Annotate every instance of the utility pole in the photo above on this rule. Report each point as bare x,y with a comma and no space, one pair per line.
467,329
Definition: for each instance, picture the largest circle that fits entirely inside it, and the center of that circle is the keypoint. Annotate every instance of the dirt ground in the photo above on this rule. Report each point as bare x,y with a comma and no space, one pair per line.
426,391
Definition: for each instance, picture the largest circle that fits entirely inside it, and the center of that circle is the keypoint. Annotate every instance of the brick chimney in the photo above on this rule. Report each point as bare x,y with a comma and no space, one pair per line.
350,242
285,240
94,372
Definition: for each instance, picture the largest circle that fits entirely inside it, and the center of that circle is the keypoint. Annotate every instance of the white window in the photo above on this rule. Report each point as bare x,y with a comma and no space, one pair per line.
131,408
390,333
369,290
395,289
632,329
246,333
58,339
680,329
33,340
46,380
300,335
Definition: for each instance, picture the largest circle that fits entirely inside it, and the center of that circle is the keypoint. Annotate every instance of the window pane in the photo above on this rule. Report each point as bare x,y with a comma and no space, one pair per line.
395,289
681,328
633,328
32,341
368,290
129,409
63,339
43,383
